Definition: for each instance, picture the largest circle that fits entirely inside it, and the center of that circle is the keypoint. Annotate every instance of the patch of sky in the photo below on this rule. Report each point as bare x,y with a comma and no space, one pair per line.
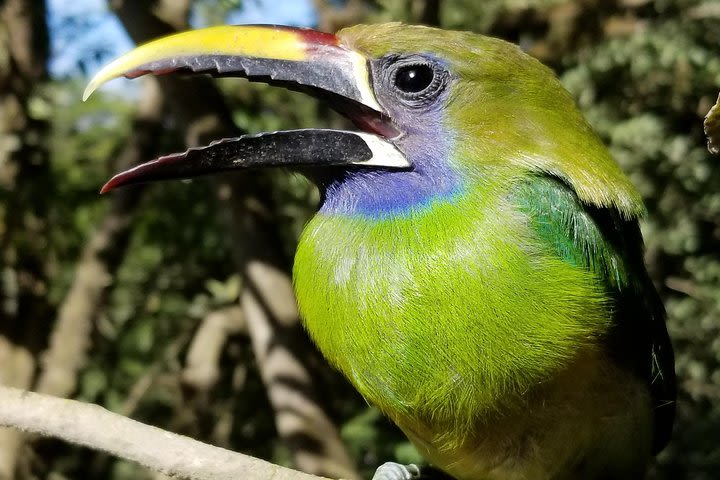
298,13
85,34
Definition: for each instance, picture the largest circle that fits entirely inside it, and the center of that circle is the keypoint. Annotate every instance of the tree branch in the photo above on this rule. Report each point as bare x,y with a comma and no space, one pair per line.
17,366
202,368
95,427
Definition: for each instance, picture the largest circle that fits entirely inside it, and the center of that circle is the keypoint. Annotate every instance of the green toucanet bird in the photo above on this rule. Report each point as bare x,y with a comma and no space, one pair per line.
475,268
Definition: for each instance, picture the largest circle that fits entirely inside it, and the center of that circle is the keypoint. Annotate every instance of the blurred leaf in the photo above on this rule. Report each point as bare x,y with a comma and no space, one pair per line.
224,292
712,128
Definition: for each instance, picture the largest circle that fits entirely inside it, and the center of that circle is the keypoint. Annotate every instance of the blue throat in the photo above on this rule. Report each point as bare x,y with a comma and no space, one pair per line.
386,193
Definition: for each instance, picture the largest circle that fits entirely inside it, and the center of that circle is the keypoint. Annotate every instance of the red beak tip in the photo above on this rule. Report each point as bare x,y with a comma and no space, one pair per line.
107,187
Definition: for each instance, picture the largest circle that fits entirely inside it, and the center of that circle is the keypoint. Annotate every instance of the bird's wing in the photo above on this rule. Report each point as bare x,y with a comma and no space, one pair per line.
600,240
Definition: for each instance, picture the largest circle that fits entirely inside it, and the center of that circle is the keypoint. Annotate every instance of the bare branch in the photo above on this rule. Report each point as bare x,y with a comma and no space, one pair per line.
203,357
17,366
95,427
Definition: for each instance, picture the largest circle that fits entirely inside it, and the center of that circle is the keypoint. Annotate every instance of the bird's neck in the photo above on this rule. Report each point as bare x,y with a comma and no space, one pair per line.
373,194
376,194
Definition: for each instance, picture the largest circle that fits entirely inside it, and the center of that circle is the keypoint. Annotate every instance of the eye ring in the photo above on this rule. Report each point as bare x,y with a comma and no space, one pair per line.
416,80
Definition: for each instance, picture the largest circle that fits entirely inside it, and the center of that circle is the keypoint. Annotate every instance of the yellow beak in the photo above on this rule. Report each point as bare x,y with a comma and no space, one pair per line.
275,54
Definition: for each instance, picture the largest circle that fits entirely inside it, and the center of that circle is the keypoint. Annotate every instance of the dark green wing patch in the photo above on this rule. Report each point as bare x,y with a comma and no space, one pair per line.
569,227
601,241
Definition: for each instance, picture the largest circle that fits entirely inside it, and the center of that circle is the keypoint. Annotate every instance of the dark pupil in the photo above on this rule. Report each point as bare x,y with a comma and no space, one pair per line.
414,78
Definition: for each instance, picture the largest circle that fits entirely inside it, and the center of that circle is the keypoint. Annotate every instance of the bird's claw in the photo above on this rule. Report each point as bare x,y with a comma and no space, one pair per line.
396,471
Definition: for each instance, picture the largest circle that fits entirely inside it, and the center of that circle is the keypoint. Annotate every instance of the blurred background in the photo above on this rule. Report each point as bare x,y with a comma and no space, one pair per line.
172,304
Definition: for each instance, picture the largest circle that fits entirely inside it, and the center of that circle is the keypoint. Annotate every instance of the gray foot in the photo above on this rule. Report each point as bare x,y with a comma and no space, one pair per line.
396,471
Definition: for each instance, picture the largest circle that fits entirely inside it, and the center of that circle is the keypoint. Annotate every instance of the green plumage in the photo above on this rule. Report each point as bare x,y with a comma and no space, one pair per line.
510,328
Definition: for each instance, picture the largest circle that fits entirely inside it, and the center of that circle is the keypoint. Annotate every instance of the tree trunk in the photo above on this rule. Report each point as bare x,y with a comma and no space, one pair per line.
24,186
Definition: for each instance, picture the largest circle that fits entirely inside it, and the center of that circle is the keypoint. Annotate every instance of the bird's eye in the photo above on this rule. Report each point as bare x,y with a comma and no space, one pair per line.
414,78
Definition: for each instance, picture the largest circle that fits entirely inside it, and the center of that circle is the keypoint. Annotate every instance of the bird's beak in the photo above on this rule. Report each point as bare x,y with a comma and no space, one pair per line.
299,59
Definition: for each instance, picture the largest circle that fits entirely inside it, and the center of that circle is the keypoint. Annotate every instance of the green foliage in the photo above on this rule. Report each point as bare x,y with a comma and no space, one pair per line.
83,137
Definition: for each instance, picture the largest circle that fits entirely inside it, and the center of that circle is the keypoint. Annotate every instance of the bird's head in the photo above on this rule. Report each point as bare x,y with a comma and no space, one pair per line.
438,113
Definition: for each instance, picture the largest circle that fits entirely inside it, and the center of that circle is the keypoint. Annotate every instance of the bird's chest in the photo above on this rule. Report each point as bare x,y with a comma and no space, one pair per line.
439,314
395,307
369,303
